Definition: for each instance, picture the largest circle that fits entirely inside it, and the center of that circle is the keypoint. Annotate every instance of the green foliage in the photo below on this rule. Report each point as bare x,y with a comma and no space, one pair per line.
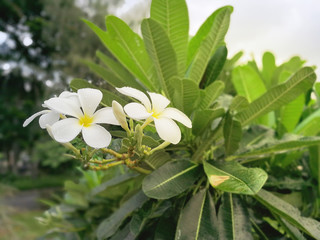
209,185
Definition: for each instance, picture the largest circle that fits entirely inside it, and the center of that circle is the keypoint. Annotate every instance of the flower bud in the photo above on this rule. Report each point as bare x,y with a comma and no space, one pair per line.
120,115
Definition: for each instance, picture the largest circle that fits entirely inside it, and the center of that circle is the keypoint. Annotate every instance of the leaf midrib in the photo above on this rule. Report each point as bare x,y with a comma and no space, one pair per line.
253,116
173,177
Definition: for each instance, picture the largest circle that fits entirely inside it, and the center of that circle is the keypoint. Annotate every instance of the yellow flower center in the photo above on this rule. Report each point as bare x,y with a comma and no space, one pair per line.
85,120
155,115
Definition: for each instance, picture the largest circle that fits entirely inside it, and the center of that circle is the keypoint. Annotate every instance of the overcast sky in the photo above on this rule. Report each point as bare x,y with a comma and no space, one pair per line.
285,27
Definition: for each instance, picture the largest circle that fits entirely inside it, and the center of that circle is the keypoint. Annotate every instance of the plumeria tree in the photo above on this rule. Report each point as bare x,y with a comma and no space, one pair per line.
194,159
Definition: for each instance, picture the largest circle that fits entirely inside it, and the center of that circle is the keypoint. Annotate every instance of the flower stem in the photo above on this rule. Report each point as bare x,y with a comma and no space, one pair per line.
161,146
105,167
114,153
149,120
102,161
142,170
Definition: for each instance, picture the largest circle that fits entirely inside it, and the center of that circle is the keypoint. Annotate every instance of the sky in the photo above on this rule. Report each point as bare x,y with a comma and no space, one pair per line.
285,27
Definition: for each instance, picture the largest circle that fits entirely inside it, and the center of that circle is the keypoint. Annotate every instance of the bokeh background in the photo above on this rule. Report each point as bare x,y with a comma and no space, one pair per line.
44,45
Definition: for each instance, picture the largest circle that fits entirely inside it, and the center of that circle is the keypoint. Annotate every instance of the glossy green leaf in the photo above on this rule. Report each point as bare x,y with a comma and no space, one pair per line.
161,53
238,103
202,34
108,96
279,95
203,118
113,182
234,178
290,114
247,82
232,132
289,213
314,163
127,47
157,159
110,225
173,17
276,147
210,94
310,125
120,71
186,95
171,179
268,68
209,43
106,74
198,219
291,231
233,219
214,67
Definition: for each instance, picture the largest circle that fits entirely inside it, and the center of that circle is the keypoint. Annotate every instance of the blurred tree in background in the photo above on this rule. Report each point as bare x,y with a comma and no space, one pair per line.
41,44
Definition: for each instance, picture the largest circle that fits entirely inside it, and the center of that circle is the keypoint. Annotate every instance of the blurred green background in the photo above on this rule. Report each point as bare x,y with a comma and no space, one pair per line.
43,45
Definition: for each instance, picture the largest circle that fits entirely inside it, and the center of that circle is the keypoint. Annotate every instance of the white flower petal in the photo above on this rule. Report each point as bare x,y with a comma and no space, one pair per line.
105,115
72,96
48,119
119,114
177,115
89,99
136,111
96,136
66,130
159,102
168,130
32,117
137,94
64,106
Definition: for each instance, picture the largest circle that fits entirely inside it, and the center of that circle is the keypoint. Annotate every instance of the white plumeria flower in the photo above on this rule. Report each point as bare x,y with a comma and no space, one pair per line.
84,118
158,112
49,116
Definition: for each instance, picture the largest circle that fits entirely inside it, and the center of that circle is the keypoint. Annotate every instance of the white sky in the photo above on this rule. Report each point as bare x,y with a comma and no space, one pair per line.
285,27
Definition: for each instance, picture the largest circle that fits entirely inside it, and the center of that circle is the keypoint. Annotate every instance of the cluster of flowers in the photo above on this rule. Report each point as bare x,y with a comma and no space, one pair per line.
71,113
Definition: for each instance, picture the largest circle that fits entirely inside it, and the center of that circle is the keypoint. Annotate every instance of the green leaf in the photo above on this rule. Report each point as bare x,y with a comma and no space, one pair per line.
290,114
106,74
157,159
161,53
209,43
202,34
291,231
234,178
310,125
127,47
238,103
268,68
279,95
233,219
203,118
276,147
289,213
173,17
211,93
232,132
110,225
171,179
119,71
198,218
247,82
314,163
107,98
113,182
186,95
214,67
